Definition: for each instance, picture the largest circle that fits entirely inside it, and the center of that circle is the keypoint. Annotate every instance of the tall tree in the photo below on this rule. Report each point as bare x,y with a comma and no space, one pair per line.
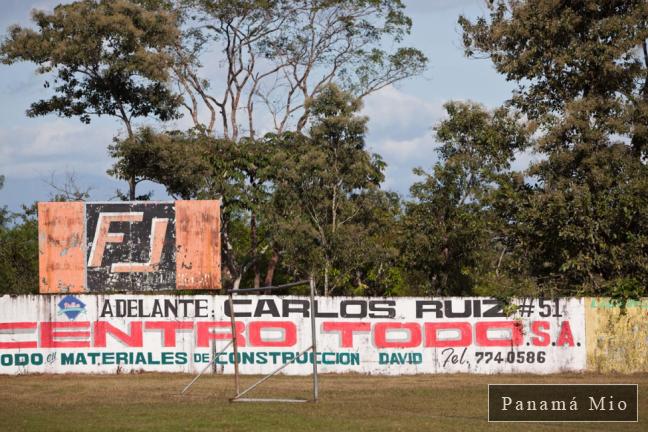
454,240
582,66
101,57
582,69
280,53
322,180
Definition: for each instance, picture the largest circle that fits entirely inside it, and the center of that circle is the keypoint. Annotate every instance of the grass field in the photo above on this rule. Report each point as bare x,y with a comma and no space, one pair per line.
151,402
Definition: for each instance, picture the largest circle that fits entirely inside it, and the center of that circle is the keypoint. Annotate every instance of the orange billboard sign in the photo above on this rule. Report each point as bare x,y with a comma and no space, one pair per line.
128,246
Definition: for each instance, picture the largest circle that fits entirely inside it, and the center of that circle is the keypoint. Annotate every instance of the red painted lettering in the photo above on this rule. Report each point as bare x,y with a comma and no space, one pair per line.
482,338
346,330
543,337
49,334
204,333
289,333
432,334
565,337
169,329
380,335
132,339
20,326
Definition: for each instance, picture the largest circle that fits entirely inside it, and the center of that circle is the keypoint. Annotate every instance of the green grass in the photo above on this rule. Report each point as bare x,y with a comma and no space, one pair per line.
151,402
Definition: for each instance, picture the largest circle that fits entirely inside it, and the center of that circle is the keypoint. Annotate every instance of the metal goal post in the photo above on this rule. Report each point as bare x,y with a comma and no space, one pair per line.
238,397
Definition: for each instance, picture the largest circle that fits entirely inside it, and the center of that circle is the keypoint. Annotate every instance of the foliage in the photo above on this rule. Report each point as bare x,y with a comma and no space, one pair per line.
581,65
586,231
453,236
278,54
305,199
582,69
322,187
102,57
19,251
315,197
109,58
195,165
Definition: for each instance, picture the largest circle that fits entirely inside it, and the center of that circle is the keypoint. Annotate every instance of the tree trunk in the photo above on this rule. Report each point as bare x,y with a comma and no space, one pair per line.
132,182
326,278
131,188
272,265
253,240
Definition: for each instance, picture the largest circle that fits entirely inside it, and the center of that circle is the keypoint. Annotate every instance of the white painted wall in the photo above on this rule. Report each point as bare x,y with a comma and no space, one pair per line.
24,322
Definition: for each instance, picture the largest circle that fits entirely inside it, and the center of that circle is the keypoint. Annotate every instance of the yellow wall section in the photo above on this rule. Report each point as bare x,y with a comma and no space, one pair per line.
616,342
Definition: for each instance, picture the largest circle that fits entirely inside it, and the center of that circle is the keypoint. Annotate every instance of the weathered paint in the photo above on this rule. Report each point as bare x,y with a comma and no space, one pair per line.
61,247
198,250
129,246
120,333
616,341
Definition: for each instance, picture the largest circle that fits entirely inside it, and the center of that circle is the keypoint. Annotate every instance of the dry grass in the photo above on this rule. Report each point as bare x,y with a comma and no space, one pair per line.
348,403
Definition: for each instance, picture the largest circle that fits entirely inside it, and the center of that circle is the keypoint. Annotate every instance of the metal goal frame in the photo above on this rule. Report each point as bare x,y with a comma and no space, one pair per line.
238,397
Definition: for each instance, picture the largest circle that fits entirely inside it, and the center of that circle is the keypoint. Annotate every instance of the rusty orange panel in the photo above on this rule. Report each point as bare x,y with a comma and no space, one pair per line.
198,252
61,247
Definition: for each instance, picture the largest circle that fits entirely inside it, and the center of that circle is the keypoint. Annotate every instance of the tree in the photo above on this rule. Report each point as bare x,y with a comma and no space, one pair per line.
177,160
194,165
316,195
582,68
19,253
322,182
102,57
454,240
281,53
367,259
585,233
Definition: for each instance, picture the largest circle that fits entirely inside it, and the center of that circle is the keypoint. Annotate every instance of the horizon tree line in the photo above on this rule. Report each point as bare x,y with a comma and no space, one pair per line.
305,199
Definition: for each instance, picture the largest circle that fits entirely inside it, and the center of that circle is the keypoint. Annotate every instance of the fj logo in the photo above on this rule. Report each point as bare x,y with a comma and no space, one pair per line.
103,236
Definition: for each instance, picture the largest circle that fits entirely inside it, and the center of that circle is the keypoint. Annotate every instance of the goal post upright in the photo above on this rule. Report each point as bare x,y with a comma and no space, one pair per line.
313,308
237,385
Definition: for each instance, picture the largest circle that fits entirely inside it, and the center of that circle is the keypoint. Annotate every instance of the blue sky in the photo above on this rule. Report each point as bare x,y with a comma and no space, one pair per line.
400,126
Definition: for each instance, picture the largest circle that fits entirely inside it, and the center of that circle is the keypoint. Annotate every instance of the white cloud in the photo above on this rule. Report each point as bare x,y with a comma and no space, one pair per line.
395,114
400,130
432,6
413,150
402,156
522,160
55,145
31,155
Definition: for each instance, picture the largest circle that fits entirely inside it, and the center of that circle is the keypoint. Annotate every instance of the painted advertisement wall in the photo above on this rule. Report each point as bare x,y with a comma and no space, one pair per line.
122,333
128,246
617,341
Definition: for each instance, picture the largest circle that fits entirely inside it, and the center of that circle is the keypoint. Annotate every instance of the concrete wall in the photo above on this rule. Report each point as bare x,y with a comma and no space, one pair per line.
121,333
118,333
616,342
